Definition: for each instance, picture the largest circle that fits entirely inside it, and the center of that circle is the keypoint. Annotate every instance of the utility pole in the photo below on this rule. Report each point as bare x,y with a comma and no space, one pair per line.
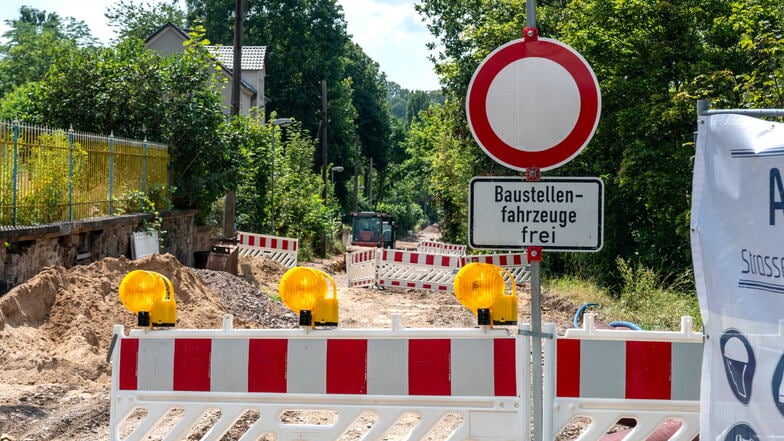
356,174
324,124
370,183
231,197
324,160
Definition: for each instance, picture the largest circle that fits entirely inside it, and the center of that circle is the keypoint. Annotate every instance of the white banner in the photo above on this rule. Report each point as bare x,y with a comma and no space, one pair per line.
738,248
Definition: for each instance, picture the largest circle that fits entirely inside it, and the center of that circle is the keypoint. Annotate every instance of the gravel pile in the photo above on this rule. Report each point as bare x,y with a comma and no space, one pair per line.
246,302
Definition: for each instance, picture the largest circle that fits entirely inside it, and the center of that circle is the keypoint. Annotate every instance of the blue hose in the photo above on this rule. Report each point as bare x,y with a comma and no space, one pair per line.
629,325
579,314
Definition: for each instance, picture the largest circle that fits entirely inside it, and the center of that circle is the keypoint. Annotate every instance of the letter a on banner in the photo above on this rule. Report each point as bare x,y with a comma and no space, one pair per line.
737,241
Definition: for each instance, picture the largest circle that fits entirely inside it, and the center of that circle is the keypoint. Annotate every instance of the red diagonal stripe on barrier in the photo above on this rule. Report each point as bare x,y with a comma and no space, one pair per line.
567,368
346,366
267,365
648,370
192,364
504,367
428,367
129,363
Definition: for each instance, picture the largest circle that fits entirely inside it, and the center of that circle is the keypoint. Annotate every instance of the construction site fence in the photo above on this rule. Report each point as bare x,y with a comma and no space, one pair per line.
280,249
52,175
385,268
402,383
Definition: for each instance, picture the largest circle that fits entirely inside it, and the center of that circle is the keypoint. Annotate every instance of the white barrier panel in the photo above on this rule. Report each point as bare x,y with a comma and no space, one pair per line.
410,269
434,247
516,264
417,270
652,377
361,267
280,249
143,244
471,373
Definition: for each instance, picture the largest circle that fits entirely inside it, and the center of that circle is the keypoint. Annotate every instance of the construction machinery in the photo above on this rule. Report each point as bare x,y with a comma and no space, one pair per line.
372,229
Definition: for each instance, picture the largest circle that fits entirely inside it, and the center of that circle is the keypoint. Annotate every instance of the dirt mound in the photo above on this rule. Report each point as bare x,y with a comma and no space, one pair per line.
57,327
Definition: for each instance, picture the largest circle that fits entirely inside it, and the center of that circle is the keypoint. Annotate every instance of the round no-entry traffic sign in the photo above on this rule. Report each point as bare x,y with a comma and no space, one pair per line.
533,103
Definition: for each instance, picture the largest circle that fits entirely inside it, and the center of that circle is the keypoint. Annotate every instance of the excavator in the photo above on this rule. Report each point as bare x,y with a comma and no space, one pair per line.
372,229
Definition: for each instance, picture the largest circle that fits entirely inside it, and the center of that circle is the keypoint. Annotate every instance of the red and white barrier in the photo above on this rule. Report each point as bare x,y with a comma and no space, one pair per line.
480,375
410,269
361,267
434,247
418,270
609,375
473,373
280,249
516,264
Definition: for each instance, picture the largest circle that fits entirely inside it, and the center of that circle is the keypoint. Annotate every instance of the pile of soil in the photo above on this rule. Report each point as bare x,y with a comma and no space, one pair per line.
55,330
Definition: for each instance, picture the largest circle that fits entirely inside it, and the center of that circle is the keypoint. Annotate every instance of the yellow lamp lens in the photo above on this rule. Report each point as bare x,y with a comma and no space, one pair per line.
300,288
140,289
478,284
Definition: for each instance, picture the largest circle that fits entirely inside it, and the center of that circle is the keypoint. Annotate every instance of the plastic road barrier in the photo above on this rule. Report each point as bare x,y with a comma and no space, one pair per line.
607,375
361,267
419,270
473,374
171,382
433,247
410,269
280,249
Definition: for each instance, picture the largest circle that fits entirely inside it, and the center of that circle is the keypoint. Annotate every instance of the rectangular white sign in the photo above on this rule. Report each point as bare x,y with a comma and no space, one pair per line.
737,225
563,214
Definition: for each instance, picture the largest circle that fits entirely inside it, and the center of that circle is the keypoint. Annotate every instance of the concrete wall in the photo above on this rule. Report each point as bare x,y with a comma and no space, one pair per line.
27,250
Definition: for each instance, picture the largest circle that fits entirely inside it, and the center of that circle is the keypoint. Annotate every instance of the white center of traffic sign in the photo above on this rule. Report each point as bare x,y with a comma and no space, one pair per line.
526,127
533,103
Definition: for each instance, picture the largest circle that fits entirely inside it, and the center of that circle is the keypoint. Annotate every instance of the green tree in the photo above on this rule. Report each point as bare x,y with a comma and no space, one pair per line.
417,102
300,210
142,19
33,41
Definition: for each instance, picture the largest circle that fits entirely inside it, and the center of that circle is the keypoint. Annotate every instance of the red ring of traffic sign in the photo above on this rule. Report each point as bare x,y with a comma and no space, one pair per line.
587,117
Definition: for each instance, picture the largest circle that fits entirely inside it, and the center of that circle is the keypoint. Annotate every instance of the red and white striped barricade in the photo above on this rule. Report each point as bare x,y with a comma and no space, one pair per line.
473,374
411,269
516,264
280,249
435,247
361,267
607,375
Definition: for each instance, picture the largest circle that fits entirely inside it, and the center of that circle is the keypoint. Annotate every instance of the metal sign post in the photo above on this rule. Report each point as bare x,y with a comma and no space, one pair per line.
533,104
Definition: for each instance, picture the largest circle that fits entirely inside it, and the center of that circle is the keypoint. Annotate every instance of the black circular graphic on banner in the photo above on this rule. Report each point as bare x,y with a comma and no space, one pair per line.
739,363
741,432
778,387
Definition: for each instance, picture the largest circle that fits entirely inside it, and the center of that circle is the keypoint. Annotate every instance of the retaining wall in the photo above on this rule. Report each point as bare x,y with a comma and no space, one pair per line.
25,251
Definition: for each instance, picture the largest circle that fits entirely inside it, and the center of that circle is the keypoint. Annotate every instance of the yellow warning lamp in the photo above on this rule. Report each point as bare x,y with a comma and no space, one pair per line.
150,296
304,291
325,313
480,287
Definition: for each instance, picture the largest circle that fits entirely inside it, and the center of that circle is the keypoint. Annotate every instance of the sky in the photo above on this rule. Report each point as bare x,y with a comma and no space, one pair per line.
389,31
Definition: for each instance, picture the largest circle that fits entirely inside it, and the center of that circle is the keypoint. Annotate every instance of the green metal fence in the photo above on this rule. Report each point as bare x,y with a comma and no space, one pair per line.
49,175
